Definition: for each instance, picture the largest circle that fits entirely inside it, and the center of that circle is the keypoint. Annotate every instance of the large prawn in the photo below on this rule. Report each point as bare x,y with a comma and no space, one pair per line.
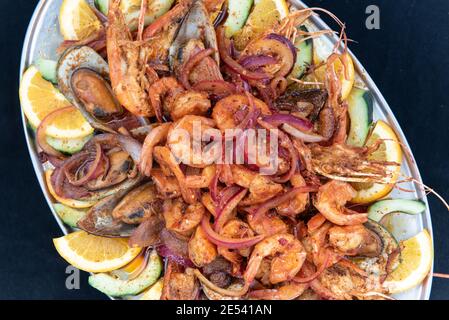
127,64
288,257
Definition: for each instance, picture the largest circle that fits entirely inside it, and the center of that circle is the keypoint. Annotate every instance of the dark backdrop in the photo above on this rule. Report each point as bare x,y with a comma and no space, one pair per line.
408,59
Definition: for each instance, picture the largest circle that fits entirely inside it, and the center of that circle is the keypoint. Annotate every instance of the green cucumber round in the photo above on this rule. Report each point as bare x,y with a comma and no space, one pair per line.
381,208
102,5
69,216
360,109
304,58
114,287
238,12
69,146
47,68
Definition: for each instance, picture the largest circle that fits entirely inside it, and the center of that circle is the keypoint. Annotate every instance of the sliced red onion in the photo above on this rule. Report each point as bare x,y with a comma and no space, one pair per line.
130,145
91,173
304,136
231,63
286,143
225,242
285,41
191,63
226,206
41,136
218,88
279,119
278,200
165,252
256,61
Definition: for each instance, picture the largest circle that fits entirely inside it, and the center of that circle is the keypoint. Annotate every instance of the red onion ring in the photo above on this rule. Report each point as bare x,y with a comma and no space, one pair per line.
227,205
287,144
165,252
285,41
279,119
218,88
131,146
93,169
231,63
278,200
306,137
41,136
193,61
225,242
253,62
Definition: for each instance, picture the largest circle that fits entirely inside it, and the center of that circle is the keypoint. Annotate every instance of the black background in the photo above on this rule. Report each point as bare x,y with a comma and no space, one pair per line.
408,58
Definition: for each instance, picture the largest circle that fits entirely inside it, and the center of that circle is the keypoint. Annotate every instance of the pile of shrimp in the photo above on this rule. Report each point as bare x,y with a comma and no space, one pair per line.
229,230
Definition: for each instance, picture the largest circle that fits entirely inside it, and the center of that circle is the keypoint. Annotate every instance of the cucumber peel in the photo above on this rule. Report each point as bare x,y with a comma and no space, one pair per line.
69,146
304,58
69,216
102,5
381,208
114,287
360,109
238,12
47,69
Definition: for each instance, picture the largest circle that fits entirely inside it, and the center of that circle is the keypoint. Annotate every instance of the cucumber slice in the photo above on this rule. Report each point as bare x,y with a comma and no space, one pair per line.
304,58
69,146
119,288
238,12
156,8
48,69
102,5
360,108
69,216
381,208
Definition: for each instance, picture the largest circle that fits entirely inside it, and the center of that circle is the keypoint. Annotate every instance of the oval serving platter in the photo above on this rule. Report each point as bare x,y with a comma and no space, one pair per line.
43,37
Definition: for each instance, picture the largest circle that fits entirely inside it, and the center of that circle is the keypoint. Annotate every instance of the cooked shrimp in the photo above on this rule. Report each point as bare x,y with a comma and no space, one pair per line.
350,164
156,136
126,60
169,165
331,199
235,229
167,19
344,284
227,111
182,218
299,203
189,103
185,136
167,186
288,291
203,180
201,250
288,257
355,240
261,188
168,88
267,224
179,284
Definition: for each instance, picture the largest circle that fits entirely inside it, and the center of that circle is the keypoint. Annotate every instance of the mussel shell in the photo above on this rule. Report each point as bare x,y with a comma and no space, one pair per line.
196,26
75,58
95,94
99,219
139,204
